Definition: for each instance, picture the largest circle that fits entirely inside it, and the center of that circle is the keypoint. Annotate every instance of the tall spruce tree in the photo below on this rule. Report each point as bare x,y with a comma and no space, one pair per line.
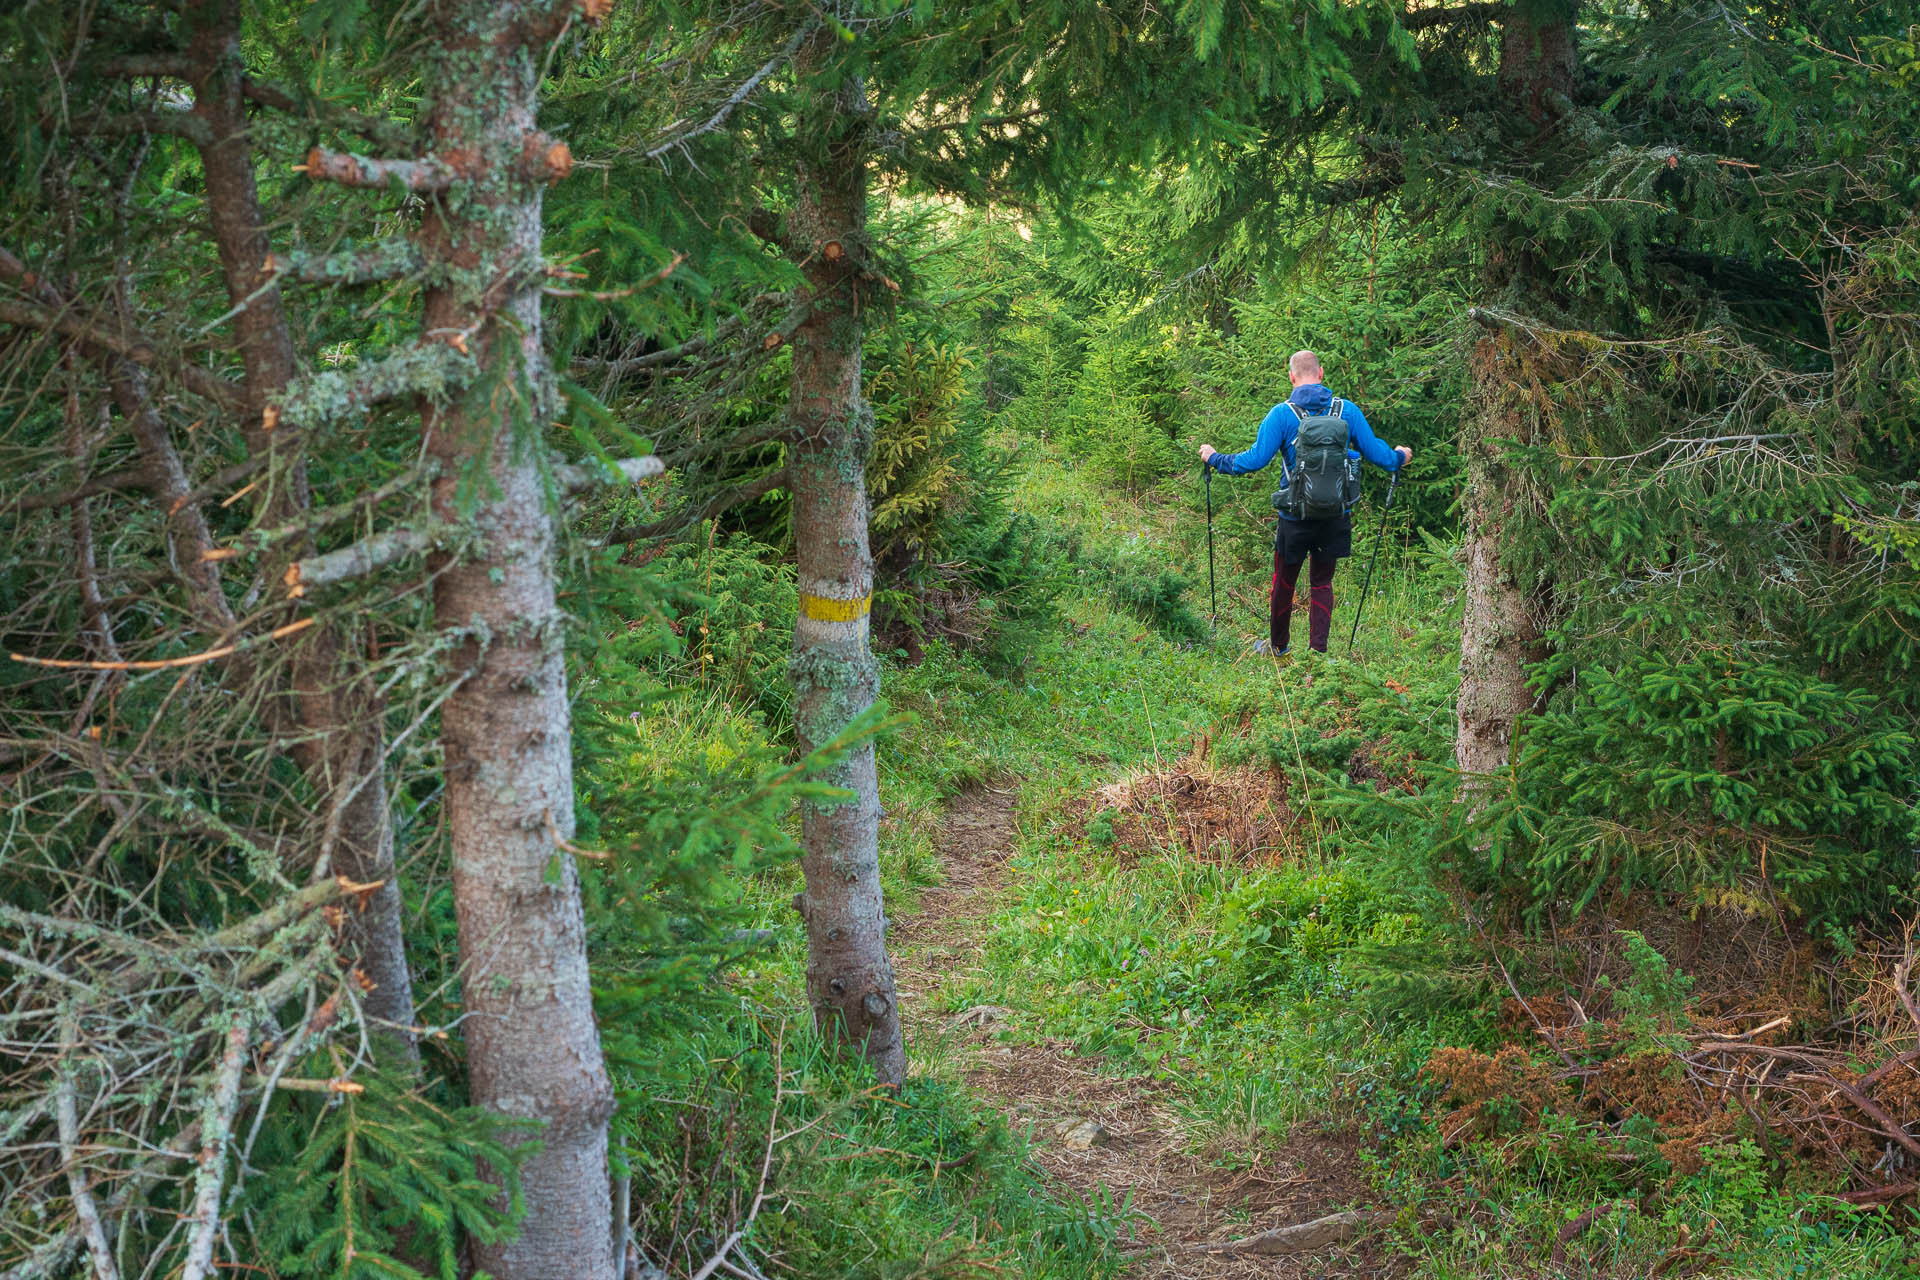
533,1050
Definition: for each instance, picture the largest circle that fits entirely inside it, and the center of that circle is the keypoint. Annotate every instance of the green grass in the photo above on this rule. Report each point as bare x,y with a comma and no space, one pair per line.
1262,995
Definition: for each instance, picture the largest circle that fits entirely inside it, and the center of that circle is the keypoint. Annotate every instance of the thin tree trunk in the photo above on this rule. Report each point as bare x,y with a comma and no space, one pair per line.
533,1049
835,677
1499,636
340,744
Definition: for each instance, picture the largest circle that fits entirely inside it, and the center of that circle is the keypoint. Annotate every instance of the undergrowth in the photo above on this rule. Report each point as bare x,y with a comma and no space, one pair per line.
1264,912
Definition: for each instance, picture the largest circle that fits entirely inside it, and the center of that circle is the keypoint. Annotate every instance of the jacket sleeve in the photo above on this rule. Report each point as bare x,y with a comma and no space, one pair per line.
1272,438
1371,447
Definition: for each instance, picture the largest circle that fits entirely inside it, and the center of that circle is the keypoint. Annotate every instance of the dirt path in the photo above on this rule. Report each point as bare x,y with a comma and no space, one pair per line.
1142,1147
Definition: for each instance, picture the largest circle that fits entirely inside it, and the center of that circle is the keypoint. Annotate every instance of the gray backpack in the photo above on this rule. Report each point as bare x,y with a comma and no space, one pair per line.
1323,481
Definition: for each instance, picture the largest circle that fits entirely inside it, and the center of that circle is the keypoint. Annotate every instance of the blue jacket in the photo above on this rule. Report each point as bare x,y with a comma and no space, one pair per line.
1280,428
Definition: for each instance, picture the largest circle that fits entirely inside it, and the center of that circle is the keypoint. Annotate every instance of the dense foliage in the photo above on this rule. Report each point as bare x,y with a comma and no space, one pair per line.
1638,282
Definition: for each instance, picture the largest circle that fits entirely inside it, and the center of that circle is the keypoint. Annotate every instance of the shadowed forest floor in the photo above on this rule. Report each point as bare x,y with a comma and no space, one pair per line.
1102,1137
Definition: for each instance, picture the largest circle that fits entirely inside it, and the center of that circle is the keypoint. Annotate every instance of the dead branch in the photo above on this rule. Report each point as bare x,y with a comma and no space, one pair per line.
543,158
141,66
84,1207
316,519
1460,15
424,176
738,96
216,1131
579,477
687,517
390,135
1301,1237
104,341
423,368
367,556
160,664
719,1258
161,122
361,264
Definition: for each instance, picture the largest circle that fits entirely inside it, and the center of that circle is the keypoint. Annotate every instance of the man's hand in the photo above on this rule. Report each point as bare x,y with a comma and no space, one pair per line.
1406,454
1207,451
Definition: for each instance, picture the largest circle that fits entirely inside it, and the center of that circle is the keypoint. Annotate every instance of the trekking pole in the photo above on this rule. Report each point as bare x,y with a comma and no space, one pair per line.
1212,599
1373,560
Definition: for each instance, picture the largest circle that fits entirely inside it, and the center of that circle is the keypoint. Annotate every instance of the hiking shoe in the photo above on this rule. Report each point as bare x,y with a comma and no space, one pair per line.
1263,648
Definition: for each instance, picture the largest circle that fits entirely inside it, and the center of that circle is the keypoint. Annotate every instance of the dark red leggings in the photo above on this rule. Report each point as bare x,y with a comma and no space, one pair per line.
1319,600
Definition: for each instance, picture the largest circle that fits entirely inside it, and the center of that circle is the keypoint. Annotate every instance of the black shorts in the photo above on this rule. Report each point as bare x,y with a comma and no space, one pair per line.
1295,540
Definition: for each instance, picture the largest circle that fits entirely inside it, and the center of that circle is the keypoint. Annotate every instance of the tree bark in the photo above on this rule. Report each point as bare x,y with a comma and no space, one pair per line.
835,677
533,1049
1499,635
341,745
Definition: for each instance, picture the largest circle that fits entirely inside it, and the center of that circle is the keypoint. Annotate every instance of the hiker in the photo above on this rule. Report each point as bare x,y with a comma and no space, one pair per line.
1316,497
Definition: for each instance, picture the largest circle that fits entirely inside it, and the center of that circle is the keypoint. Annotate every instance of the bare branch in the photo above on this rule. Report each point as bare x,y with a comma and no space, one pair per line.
216,1131
311,521
1479,14
687,517
737,97
162,122
976,123
141,66
427,367
362,264
579,477
349,170
543,158
84,1207
113,481
369,555
390,135
133,347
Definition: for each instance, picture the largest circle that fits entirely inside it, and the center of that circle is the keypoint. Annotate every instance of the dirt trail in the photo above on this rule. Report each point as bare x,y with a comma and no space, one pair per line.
1143,1144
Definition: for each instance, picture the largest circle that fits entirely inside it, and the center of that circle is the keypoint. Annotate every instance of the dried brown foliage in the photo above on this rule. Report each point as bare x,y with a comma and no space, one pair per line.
1842,1100
1237,815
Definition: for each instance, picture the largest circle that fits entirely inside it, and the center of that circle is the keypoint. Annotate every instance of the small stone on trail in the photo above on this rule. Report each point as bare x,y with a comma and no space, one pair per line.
1081,1135
979,1016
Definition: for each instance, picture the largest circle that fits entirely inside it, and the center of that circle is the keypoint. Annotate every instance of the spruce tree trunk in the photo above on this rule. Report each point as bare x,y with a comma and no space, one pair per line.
533,1049
340,744
1499,636
835,677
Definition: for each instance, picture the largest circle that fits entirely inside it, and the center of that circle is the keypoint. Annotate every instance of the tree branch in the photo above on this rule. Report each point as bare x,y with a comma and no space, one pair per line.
141,66
738,96
427,367
311,521
429,174
157,123
358,560
84,1207
983,122
390,135
362,264
135,348
1479,14
579,477
216,1131
543,158
687,517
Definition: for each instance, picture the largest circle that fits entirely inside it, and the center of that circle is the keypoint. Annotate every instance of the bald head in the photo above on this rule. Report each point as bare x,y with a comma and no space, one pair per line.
1304,366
